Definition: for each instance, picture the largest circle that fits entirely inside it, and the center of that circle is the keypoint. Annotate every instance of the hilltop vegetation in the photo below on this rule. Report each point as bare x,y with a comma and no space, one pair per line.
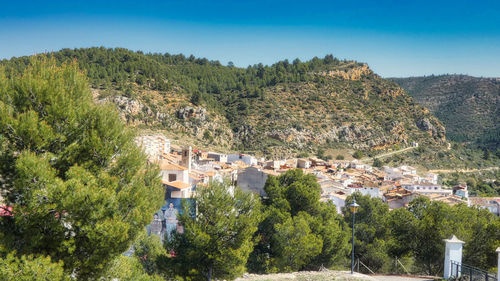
469,107
282,109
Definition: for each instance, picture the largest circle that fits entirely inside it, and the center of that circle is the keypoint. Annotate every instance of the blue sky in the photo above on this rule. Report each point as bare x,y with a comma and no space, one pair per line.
396,38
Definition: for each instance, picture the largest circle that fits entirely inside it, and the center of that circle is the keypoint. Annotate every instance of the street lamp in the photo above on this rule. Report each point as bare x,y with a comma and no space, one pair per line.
354,209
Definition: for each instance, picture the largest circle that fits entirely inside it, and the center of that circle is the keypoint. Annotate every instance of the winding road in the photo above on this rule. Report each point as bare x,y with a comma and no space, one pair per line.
446,171
368,159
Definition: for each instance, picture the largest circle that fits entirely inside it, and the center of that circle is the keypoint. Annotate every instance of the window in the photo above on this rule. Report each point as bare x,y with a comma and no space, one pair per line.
172,177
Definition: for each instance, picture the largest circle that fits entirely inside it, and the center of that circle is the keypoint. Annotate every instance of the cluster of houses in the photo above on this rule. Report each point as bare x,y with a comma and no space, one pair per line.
183,169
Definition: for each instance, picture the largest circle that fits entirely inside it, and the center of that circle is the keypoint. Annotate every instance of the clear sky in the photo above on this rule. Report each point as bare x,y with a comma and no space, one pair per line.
396,38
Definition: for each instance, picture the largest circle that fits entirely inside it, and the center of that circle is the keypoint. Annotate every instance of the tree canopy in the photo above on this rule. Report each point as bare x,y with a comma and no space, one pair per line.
298,232
80,188
218,236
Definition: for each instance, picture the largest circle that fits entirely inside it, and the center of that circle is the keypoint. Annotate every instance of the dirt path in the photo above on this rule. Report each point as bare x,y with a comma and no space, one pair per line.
446,171
368,159
400,278
327,275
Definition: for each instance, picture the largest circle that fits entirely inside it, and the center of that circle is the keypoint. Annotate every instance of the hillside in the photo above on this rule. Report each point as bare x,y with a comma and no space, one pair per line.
283,109
469,107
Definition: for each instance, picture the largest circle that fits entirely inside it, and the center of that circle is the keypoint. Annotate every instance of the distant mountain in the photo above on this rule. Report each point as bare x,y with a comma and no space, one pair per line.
469,107
283,109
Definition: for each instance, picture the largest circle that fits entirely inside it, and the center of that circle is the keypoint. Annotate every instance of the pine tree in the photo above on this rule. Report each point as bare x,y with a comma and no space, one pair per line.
218,239
80,189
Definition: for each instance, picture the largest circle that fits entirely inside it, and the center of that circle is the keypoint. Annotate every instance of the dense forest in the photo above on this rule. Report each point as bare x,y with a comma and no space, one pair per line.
468,106
225,88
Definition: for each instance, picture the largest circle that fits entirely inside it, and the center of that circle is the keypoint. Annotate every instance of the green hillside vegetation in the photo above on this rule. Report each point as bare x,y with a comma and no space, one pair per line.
469,107
282,109
459,156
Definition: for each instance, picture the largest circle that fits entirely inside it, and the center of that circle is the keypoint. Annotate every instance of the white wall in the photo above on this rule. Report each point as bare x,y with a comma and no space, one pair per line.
182,175
371,191
252,179
338,201
247,159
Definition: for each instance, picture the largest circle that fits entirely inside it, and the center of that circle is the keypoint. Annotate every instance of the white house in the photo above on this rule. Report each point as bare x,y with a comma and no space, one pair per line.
173,172
432,178
154,145
492,204
408,170
252,179
303,163
274,164
338,198
426,188
461,190
245,158
220,157
372,191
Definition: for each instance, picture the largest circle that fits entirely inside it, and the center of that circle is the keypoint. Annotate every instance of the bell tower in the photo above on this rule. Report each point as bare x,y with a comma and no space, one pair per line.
187,156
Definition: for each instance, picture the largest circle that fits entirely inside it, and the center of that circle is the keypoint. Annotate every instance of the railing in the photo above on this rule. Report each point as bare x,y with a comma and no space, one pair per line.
460,271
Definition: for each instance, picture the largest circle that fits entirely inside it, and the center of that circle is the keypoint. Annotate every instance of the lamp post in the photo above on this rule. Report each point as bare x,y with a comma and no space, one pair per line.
354,209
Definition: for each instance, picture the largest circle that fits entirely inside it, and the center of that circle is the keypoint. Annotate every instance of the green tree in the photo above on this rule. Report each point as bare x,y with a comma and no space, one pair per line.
294,216
30,268
420,230
486,154
196,98
358,154
371,230
128,269
218,237
377,163
295,244
402,225
81,190
148,250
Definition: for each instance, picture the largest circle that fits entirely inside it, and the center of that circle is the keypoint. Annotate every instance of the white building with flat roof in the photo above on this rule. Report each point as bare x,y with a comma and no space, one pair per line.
155,146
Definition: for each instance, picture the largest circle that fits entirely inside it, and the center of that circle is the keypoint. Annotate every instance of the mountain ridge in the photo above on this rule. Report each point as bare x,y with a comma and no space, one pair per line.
283,109
468,106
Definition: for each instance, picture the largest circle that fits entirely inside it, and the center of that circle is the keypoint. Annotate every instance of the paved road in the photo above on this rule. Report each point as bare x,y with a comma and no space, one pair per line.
399,278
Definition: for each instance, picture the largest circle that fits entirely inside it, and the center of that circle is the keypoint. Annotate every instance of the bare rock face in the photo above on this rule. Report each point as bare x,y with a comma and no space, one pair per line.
133,111
433,128
190,112
127,105
244,132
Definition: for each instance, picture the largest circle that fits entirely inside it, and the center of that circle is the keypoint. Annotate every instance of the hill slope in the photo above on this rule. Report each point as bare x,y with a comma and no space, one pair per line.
469,107
283,109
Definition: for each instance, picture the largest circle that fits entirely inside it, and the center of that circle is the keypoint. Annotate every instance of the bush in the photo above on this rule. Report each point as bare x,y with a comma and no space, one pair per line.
377,163
358,154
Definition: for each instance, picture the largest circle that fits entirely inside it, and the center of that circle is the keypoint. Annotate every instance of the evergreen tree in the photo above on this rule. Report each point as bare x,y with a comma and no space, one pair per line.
80,189
377,163
29,268
371,230
298,232
218,237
